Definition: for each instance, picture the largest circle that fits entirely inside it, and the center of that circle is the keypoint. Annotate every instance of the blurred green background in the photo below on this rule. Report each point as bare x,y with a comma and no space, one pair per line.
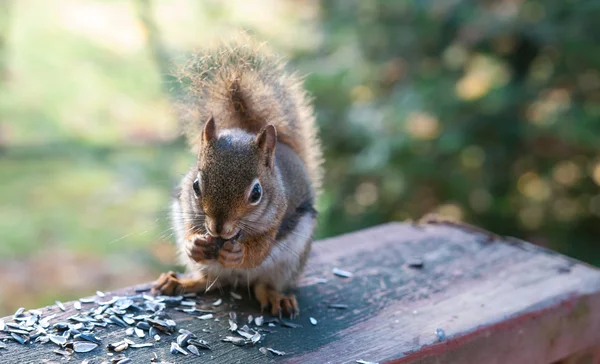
486,111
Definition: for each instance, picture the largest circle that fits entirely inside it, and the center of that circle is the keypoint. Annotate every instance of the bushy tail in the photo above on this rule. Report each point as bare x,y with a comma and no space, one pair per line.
242,84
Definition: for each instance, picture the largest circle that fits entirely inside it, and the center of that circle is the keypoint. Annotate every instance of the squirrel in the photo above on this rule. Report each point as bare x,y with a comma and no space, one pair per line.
245,212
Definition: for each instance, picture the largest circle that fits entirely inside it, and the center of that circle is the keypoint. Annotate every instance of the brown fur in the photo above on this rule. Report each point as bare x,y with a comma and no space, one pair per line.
248,120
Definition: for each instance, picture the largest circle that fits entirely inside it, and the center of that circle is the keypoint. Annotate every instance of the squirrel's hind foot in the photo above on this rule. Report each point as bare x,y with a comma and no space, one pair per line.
280,304
169,284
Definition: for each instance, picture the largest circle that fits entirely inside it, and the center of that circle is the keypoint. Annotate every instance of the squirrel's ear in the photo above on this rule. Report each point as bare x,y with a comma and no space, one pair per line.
266,141
210,130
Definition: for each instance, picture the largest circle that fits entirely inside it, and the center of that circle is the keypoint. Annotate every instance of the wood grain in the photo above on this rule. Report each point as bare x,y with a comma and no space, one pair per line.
498,301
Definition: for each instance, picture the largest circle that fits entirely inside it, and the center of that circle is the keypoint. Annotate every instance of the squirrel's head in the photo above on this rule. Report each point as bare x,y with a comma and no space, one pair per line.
236,188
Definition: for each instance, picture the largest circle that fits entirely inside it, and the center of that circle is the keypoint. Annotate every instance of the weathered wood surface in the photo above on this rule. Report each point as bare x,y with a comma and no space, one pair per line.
497,302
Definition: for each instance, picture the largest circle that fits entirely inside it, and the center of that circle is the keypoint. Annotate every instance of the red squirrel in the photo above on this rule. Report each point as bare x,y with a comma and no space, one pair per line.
245,211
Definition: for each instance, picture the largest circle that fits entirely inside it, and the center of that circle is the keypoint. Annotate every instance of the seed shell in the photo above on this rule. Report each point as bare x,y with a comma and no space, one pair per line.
61,306
83,346
192,349
199,343
58,340
276,352
338,305
342,273
175,348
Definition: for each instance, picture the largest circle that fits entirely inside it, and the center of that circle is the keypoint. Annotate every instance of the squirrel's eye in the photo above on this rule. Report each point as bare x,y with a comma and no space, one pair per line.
255,194
196,186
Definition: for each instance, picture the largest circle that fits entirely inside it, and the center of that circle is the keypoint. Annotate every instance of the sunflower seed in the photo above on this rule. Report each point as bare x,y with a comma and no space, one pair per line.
145,345
235,340
118,321
124,361
366,362
232,326
143,325
60,326
156,337
175,348
171,323
2,325
208,316
313,320
128,341
192,349
259,321
109,302
128,320
118,347
199,343
58,340
250,319
183,339
19,312
77,305
100,294
83,346
247,335
140,333
289,324
187,303
129,331
264,351
18,331
217,302
87,300
338,305
88,337
342,273
61,306
276,352
18,338
184,331
235,296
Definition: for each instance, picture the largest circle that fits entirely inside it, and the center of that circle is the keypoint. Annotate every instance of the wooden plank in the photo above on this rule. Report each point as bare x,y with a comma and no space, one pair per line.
498,301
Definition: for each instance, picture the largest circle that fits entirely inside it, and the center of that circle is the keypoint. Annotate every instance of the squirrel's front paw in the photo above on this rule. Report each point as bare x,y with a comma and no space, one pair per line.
201,250
231,255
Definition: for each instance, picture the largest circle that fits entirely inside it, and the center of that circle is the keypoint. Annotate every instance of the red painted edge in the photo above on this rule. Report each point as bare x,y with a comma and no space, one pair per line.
458,340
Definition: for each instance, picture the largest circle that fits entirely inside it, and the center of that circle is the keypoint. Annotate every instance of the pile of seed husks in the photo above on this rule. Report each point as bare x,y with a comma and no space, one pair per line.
145,319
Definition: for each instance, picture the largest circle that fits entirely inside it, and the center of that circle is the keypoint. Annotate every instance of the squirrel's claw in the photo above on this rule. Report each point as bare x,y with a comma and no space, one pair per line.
169,284
231,255
280,304
199,249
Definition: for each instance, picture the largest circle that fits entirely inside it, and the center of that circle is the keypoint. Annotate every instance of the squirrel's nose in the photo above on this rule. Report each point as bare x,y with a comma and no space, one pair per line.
219,229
